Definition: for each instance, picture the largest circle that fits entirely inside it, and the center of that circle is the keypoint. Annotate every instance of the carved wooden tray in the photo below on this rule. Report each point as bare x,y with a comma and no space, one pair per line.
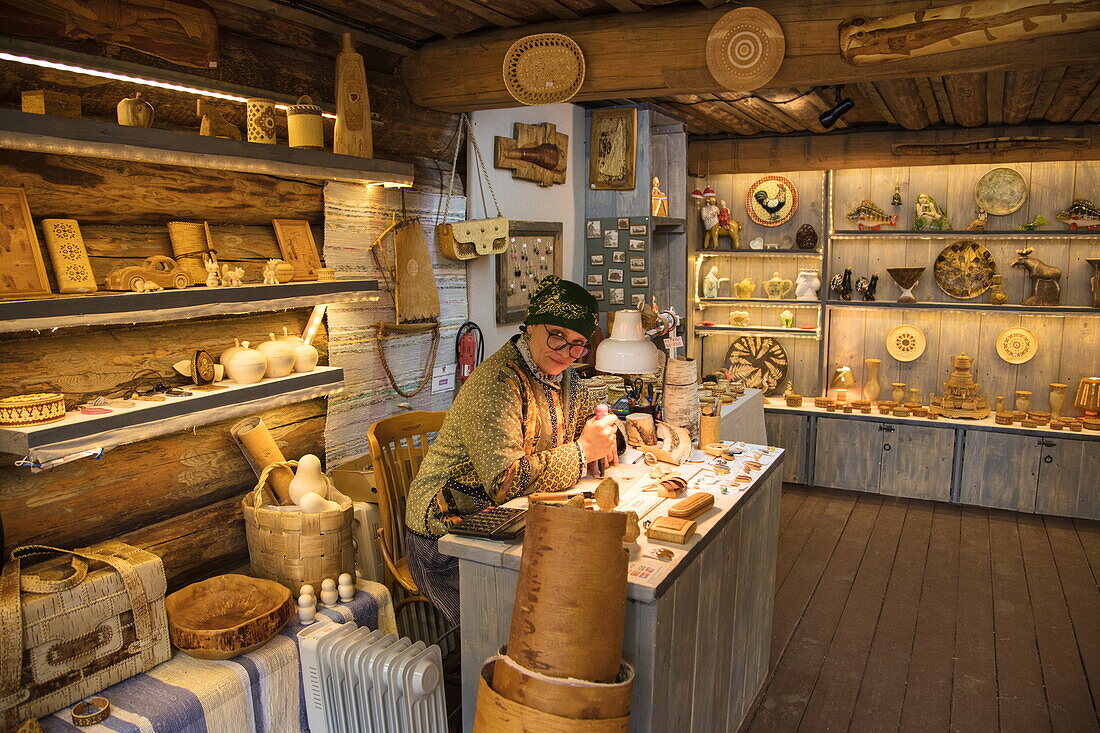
965,269
753,359
227,615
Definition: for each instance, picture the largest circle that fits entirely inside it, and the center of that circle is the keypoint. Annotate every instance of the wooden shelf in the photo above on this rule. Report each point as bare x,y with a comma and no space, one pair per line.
1012,234
814,333
765,301
667,222
759,252
78,433
928,305
63,136
107,308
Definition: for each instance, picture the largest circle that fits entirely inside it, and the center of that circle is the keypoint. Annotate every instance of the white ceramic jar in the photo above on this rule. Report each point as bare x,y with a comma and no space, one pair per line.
245,365
280,356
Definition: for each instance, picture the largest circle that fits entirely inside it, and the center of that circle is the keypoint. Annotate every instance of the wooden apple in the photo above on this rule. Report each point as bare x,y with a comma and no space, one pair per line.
135,111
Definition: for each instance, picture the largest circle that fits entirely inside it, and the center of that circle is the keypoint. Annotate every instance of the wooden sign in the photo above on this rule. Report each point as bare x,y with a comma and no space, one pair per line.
613,138
865,41
22,273
536,153
297,247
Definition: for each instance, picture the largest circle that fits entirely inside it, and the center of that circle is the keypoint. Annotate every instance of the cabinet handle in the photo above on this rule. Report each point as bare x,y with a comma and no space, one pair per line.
886,428
1048,458
887,446
1045,443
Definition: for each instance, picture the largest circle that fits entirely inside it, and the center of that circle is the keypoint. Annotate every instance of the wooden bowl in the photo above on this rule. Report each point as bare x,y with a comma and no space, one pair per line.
227,615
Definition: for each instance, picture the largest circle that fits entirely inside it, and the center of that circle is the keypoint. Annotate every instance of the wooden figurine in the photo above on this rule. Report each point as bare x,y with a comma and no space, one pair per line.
927,214
537,153
1045,289
213,124
270,277
134,111
658,199
346,587
709,214
329,595
352,135
307,478
232,276
307,609
213,272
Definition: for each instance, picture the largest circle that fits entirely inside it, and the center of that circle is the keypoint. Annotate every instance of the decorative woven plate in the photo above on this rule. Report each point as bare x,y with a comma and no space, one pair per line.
965,269
544,68
771,200
1016,345
1001,191
745,48
905,342
753,359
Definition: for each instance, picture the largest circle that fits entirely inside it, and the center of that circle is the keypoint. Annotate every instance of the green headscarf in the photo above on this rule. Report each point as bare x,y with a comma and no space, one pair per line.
563,303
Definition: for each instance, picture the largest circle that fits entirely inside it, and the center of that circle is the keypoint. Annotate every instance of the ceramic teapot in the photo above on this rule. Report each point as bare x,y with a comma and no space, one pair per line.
807,284
745,288
280,356
245,365
777,287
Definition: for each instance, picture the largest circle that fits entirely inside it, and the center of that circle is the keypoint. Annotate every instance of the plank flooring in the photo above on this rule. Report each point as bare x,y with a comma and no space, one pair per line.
899,614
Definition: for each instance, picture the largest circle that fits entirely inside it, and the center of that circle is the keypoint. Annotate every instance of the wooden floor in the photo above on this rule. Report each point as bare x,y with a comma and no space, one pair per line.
905,615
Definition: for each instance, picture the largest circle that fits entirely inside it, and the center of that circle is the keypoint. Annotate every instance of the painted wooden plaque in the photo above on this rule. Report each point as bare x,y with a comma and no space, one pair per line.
297,247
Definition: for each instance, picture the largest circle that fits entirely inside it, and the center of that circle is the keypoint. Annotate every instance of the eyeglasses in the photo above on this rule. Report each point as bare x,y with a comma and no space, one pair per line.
556,342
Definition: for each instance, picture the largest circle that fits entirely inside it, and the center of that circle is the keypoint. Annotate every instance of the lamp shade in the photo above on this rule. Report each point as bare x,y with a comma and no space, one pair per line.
627,350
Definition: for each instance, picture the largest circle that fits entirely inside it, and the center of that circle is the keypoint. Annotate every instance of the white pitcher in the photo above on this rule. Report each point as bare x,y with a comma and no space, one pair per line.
806,285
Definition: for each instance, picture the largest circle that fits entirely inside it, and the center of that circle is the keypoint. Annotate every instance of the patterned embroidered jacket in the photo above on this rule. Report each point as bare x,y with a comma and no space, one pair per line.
509,433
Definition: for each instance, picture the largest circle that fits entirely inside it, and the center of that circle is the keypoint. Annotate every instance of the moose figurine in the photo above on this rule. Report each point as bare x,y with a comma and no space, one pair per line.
1045,289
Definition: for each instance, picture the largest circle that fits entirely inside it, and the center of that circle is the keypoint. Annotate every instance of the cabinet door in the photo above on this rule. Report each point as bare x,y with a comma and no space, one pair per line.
1068,479
791,432
917,462
847,454
999,470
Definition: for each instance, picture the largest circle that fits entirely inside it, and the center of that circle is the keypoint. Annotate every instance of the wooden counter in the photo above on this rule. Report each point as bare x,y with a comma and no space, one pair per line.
698,628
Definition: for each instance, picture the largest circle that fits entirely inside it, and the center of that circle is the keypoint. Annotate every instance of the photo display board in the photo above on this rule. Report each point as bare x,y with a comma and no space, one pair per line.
617,254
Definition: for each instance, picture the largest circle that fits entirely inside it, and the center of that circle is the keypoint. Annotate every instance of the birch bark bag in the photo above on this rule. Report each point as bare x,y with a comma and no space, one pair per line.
464,240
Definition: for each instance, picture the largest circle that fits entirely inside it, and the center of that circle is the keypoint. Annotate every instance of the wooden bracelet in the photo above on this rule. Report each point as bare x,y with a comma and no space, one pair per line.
91,711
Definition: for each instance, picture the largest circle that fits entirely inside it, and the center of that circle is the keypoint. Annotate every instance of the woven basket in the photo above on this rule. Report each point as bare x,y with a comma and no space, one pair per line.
293,547
544,68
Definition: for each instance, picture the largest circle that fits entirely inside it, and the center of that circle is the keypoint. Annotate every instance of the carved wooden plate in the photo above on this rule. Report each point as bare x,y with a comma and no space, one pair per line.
752,359
1001,191
1016,345
905,342
965,269
771,200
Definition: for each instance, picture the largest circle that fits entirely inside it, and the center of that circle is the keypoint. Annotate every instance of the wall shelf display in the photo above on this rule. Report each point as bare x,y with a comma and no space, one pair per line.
761,253
1038,234
79,433
168,305
961,305
814,333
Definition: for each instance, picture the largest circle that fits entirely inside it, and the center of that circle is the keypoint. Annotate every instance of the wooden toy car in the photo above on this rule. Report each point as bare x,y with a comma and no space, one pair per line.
157,270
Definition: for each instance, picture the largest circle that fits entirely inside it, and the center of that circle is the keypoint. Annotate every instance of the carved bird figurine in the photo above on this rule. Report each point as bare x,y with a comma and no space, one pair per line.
842,284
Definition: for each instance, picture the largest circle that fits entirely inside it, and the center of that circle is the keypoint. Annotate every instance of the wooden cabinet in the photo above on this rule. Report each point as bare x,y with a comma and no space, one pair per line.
1069,478
791,432
847,454
999,470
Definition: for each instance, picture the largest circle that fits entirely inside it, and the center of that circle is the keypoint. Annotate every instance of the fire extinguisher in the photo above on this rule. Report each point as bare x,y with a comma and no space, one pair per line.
469,349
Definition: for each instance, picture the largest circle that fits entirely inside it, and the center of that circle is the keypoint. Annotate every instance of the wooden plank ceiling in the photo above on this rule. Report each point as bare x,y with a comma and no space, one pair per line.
1061,94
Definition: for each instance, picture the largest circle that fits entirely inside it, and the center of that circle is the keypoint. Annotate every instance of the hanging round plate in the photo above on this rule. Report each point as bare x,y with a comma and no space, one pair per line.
745,48
905,342
771,200
1001,191
752,359
964,269
1016,345
544,68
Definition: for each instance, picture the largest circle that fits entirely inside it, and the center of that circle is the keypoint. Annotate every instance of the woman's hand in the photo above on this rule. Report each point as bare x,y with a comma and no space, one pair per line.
597,439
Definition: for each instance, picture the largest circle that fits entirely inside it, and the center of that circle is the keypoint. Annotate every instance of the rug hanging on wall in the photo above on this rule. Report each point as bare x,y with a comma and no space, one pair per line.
354,217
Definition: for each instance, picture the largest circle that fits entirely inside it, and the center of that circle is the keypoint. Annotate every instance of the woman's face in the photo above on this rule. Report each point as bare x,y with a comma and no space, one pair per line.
554,361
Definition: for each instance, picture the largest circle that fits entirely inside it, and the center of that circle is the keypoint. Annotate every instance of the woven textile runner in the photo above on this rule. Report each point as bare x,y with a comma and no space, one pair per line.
354,217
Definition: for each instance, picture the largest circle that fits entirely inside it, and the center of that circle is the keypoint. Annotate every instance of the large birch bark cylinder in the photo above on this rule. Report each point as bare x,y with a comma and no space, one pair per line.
681,395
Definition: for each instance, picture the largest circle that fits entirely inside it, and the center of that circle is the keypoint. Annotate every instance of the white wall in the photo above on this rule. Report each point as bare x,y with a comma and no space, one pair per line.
524,200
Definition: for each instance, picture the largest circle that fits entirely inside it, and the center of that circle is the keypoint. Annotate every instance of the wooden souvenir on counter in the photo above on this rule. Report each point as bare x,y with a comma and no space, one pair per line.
260,114
232,277
352,134
745,48
536,153
1056,398
905,343
962,396
1017,345
906,278
758,361
997,294
771,200
27,410
298,247
871,386
305,129
192,246
612,149
641,430
1000,191
543,68
928,214
964,269
692,506
50,102
671,529
1045,289
868,215
607,494
213,124
868,286
69,258
134,111
227,615
1082,213
22,272
841,284
196,370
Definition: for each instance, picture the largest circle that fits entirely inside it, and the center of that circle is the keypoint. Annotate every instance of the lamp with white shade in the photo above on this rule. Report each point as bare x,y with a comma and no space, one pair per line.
627,350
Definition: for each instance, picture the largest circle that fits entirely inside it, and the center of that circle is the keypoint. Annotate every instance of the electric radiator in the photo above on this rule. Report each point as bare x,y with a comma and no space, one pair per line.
364,538
360,681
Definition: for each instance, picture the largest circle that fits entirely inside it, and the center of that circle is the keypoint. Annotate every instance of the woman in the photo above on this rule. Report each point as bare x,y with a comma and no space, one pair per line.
519,424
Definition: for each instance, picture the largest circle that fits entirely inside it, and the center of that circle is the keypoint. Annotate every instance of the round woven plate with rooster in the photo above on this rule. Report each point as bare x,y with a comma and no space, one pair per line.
771,200
753,359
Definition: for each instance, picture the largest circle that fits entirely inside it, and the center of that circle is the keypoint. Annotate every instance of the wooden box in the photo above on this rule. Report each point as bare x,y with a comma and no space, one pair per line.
49,102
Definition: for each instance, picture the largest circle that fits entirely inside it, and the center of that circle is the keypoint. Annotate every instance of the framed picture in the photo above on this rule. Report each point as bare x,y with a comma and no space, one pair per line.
597,294
611,239
637,300
637,245
638,229
614,276
514,292
618,257
596,260
624,222
297,247
637,264
613,138
22,272
593,228
639,282
594,279
616,296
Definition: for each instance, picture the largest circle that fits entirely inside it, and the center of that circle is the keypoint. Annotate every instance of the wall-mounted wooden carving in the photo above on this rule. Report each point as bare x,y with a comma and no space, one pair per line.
865,41
183,33
536,153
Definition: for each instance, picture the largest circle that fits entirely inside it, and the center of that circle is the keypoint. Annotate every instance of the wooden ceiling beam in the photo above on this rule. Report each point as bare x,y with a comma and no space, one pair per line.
928,97
625,6
731,119
555,7
868,90
697,120
967,93
942,100
902,97
1088,108
995,97
1051,79
759,112
494,17
662,53
422,16
1076,85
309,20
1020,89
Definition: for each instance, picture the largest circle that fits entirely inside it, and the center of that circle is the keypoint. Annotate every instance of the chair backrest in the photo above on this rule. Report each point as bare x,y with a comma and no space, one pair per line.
398,445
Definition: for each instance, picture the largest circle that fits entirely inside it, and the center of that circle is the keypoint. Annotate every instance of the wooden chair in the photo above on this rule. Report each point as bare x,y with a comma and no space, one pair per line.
398,445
